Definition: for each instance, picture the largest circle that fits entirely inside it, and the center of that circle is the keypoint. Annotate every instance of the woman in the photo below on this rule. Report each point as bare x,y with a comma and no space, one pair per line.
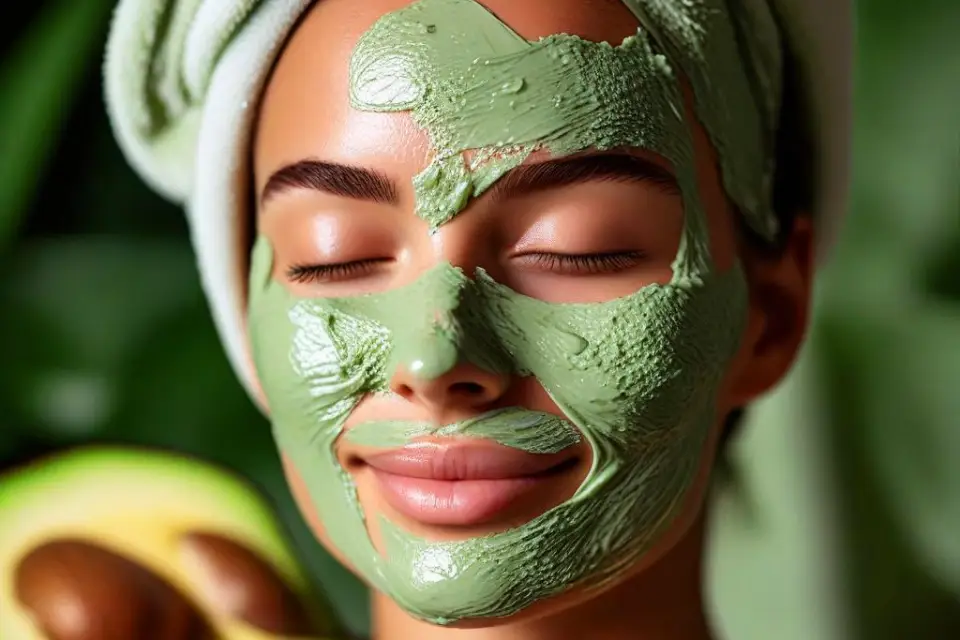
514,268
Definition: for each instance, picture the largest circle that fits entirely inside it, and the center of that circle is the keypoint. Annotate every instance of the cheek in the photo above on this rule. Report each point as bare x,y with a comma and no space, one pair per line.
308,511
302,497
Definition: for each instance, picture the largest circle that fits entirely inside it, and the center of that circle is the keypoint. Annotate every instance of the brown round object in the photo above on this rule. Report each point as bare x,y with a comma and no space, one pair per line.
77,590
238,583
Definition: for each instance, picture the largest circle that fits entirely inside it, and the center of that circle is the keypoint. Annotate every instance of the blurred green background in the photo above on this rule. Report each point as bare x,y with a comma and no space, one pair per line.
844,520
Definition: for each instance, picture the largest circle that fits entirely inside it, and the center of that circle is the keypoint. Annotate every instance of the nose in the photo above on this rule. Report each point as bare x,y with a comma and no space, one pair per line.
461,392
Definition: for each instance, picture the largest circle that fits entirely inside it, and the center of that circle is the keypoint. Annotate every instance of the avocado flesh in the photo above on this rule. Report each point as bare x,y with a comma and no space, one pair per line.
141,505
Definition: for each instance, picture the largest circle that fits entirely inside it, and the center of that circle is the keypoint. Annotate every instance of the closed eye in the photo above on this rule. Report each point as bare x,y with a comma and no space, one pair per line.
582,264
334,272
559,263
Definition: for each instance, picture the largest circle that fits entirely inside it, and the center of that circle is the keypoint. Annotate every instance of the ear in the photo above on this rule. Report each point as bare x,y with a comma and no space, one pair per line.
781,287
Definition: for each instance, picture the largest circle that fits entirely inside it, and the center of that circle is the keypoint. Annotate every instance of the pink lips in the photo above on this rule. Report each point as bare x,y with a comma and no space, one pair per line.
459,484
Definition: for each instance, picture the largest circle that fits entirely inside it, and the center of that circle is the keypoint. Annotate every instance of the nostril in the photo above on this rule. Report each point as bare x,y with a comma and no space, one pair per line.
405,391
468,389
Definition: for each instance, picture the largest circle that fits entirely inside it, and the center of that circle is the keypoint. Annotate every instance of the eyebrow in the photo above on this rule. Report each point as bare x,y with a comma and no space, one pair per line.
359,183
335,179
610,167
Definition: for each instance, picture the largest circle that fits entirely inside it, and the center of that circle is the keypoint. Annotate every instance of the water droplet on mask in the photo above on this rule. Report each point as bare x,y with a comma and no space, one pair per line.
513,86
431,28
415,27
572,343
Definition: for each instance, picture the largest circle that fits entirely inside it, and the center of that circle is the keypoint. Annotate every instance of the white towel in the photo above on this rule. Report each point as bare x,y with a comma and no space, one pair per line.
183,79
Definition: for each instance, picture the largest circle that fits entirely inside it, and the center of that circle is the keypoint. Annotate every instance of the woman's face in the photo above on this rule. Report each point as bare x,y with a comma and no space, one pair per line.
453,319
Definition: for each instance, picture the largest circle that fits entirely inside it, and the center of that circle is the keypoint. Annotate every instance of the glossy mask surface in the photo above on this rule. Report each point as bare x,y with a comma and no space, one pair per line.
636,377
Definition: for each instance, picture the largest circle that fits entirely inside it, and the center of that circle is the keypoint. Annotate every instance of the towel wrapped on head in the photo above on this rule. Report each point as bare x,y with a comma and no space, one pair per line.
162,57
183,79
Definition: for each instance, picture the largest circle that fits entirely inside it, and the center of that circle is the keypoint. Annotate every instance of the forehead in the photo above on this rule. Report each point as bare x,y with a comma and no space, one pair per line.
306,110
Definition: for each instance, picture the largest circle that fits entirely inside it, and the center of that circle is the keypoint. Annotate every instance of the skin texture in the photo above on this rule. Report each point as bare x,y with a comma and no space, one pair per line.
306,113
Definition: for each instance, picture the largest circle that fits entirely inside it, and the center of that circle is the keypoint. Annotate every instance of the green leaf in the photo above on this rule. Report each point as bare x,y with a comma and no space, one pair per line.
39,82
73,311
911,430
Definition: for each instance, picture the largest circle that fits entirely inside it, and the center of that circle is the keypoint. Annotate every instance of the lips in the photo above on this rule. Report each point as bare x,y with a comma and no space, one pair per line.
462,483
463,461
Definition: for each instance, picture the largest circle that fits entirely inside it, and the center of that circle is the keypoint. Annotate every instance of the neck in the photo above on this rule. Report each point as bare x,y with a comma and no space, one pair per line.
663,602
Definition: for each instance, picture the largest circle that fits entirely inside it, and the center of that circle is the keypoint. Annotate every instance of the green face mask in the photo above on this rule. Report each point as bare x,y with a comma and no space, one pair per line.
635,377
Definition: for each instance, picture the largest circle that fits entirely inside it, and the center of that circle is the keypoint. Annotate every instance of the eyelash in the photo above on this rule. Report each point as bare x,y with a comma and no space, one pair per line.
589,263
592,263
313,273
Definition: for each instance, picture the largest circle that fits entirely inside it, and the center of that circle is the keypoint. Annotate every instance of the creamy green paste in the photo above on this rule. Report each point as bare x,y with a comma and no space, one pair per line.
636,377
474,84
462,74
531,431
730,53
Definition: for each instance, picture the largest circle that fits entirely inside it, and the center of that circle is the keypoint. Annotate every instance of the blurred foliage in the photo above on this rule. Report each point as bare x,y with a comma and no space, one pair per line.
105,334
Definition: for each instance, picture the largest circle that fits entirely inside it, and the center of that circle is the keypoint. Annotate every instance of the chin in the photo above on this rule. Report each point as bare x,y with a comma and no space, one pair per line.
683,531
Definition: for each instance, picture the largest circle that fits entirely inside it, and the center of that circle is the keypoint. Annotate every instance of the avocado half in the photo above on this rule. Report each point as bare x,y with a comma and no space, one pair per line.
110,542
